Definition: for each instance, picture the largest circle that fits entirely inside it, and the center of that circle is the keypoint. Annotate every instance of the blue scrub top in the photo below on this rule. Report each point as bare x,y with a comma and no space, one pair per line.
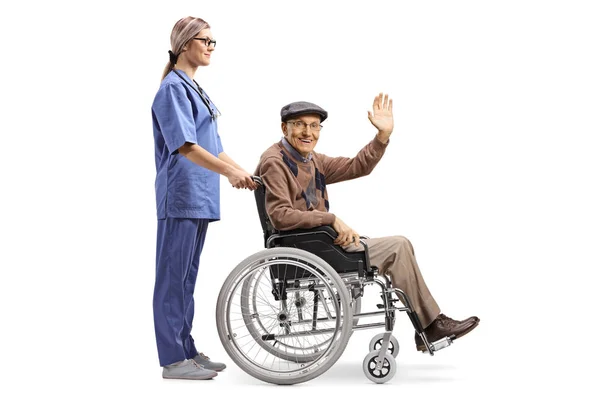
183,188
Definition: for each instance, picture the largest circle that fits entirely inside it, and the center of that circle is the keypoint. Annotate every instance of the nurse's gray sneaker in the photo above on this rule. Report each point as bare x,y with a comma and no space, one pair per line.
187,369
206,363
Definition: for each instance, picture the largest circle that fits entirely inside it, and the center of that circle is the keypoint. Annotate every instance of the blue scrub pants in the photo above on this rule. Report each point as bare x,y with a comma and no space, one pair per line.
178,248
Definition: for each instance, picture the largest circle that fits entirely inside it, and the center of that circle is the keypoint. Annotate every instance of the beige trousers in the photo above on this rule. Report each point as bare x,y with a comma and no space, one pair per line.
395,257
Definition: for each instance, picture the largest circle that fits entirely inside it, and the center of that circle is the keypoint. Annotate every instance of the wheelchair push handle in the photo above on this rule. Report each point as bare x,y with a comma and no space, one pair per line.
257,180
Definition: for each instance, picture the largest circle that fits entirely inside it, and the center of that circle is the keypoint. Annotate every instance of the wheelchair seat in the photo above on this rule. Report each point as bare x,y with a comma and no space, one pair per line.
318,240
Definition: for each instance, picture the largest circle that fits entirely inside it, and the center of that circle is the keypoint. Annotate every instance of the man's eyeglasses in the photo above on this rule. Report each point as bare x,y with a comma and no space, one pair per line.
207,41
301,125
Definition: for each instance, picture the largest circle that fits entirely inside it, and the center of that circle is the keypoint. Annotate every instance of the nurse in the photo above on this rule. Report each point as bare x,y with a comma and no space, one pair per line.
189,159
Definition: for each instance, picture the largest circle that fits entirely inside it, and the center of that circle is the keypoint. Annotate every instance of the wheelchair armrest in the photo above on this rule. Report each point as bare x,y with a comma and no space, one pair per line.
324,229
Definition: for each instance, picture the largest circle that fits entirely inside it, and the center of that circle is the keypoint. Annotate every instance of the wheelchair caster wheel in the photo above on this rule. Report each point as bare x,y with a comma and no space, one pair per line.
393,346
382,375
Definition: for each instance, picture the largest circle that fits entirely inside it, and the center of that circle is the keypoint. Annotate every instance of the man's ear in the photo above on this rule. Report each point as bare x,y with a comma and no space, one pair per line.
284,128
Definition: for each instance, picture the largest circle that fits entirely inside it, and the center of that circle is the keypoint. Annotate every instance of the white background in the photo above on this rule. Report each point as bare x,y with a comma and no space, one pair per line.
492,172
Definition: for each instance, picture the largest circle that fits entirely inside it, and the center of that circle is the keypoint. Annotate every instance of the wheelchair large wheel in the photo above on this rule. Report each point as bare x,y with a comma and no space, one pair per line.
284,316
257,323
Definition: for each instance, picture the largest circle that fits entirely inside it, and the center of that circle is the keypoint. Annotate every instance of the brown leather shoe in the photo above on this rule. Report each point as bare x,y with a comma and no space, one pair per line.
470,319
444,326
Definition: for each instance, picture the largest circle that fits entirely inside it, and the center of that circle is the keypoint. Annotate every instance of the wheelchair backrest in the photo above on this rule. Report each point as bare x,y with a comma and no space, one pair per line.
318,241
265,222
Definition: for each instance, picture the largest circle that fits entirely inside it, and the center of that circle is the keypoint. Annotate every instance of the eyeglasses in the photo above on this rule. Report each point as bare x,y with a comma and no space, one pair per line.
301,125
207,41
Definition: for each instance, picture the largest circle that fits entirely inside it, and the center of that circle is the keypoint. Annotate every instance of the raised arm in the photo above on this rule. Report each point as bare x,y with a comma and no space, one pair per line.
337,169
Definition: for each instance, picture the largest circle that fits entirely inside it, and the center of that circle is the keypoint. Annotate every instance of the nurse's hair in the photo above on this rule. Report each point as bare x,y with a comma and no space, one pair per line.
183,31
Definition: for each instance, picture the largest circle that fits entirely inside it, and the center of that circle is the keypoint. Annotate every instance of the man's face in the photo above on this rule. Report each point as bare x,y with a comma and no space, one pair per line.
299,133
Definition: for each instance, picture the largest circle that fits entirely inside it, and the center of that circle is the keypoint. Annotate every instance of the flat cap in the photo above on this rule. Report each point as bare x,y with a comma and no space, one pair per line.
301,108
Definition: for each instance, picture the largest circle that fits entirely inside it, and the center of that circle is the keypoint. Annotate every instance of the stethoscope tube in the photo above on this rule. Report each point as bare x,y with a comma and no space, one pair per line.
204,98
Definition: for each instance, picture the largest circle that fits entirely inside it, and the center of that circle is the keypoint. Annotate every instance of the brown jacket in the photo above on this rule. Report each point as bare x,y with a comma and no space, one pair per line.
296,195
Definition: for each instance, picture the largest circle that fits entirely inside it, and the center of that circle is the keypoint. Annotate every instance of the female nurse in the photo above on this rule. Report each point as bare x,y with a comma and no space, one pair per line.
189,159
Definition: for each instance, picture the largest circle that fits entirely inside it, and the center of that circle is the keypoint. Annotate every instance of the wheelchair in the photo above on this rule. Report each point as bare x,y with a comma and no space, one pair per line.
285,314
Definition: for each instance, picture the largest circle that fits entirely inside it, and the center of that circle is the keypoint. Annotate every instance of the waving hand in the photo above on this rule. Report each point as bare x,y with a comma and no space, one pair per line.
382,117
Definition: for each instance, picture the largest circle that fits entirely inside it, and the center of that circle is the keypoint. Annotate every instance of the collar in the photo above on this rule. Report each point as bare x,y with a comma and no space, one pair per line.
183,75
294,152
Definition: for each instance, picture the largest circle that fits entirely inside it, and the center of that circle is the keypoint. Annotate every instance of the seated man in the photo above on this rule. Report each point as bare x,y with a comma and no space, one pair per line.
295,177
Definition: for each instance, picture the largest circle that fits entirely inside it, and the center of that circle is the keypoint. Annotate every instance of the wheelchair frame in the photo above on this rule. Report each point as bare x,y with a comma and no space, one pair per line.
355,272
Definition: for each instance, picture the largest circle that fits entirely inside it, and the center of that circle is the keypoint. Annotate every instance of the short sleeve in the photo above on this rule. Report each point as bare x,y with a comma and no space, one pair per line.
219,144
173,112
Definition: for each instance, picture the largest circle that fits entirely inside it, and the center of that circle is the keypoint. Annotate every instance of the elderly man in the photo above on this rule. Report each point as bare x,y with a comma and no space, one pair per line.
296,177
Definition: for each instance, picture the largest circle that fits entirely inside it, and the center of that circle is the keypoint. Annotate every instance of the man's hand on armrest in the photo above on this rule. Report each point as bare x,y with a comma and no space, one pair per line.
346,235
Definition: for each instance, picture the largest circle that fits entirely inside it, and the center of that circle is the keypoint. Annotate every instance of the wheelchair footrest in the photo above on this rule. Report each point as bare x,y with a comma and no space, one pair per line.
442,343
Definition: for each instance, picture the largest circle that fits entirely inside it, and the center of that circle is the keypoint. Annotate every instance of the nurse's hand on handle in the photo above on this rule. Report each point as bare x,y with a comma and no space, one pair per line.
240,179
